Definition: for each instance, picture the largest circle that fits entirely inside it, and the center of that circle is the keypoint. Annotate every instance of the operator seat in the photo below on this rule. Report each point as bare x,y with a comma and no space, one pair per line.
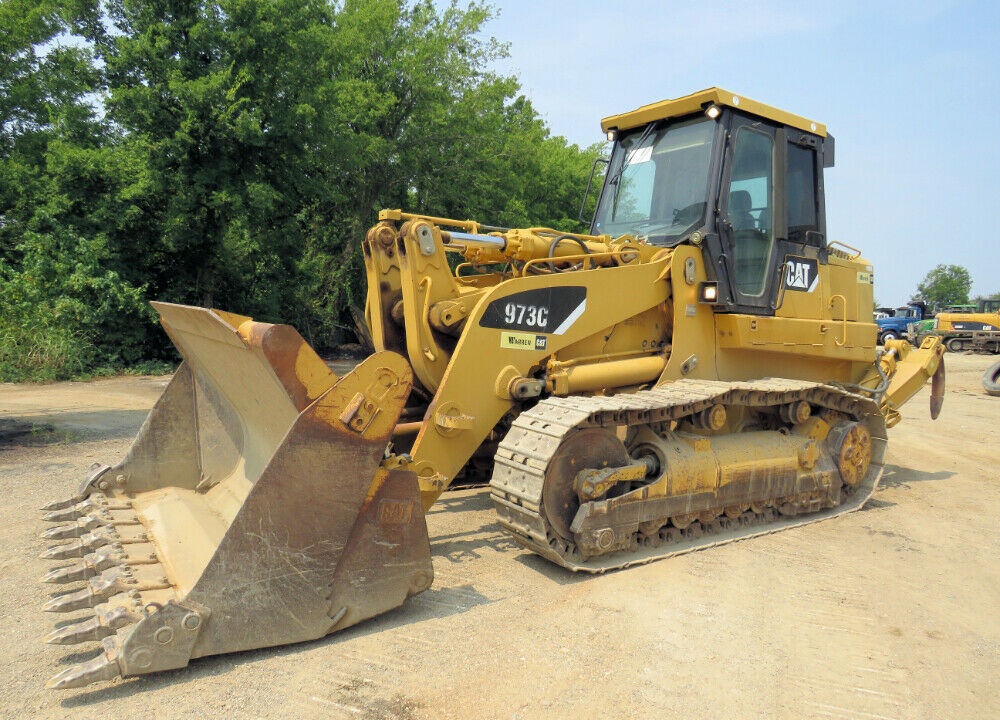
751,248
739,210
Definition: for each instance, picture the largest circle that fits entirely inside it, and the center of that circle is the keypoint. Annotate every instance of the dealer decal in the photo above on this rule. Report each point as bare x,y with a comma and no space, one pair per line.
801,274
545,310
522,341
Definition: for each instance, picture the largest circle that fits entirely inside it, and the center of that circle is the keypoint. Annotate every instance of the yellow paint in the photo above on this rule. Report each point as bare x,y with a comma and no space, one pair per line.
312,372
697,102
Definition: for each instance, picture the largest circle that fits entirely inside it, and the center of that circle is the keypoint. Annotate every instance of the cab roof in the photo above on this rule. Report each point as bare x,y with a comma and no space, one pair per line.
695,102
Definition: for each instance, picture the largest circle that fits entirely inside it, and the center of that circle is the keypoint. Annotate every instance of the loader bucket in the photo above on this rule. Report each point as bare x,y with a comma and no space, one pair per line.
254,508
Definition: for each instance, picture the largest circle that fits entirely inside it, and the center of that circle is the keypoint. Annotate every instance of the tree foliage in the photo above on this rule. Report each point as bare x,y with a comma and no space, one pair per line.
945,285
231,153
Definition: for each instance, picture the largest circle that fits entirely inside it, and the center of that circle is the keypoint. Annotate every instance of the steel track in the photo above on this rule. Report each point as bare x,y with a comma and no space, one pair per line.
528,448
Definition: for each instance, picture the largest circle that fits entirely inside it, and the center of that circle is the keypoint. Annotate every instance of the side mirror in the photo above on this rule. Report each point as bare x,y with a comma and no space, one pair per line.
815,238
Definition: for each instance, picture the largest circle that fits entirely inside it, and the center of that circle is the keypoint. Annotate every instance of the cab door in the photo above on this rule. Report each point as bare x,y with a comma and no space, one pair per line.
747,205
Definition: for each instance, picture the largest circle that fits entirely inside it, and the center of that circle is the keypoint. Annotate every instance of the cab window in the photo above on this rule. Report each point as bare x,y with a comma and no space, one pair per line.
749,208
800,203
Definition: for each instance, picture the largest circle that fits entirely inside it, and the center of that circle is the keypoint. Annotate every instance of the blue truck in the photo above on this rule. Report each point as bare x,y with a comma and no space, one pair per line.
894,327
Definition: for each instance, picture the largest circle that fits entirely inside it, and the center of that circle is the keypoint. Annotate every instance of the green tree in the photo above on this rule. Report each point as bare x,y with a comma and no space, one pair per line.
62,307
945,285
44,90
241,150
272,133
66,313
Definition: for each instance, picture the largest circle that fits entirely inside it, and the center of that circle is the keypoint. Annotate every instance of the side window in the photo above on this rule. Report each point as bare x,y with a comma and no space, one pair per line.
800,180
748,208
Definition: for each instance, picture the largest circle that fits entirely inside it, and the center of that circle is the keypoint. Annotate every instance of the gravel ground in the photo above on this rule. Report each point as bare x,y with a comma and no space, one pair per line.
890,612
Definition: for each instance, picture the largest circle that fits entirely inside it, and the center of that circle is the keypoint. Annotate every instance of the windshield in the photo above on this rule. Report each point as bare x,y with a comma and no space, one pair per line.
657,181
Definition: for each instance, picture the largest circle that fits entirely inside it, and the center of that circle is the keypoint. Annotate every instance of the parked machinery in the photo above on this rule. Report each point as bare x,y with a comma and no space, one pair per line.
701,367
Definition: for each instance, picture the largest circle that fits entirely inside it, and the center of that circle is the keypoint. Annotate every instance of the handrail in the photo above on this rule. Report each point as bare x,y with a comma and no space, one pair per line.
857,253
840,343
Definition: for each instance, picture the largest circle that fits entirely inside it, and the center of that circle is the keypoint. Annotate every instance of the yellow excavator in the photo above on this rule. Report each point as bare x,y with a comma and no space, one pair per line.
700,368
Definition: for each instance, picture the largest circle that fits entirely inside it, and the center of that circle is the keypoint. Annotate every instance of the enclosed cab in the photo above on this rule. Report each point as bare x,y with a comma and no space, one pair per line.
743,181
743,178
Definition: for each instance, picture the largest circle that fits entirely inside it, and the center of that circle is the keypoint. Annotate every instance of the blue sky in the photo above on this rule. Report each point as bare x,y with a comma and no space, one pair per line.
910,90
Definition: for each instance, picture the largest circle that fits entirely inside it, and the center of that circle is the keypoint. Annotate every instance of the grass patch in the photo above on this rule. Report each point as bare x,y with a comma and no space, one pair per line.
52,355
26,432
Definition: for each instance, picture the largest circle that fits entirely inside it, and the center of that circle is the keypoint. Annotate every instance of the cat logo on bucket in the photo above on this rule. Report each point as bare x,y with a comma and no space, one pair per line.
801,274
395,512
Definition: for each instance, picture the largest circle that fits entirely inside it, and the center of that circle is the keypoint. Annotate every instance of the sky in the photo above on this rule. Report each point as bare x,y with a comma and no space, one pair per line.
910,90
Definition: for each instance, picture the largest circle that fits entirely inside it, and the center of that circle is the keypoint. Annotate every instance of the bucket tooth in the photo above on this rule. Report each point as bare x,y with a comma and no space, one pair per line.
63,532
68,514
66,551
60,504
70,573
64,515
98,589
103,667
95,503
82,545
90,629
91,565
104,624
68,602
87,488
81,526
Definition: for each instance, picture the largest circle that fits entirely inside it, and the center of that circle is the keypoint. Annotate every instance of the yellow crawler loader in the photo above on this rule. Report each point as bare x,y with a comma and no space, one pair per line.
700,368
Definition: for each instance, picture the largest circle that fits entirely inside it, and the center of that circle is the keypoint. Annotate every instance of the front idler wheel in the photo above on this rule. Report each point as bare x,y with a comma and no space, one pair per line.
587,448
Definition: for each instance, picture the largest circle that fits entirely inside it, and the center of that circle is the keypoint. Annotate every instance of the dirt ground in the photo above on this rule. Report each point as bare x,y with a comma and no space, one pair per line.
890,612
